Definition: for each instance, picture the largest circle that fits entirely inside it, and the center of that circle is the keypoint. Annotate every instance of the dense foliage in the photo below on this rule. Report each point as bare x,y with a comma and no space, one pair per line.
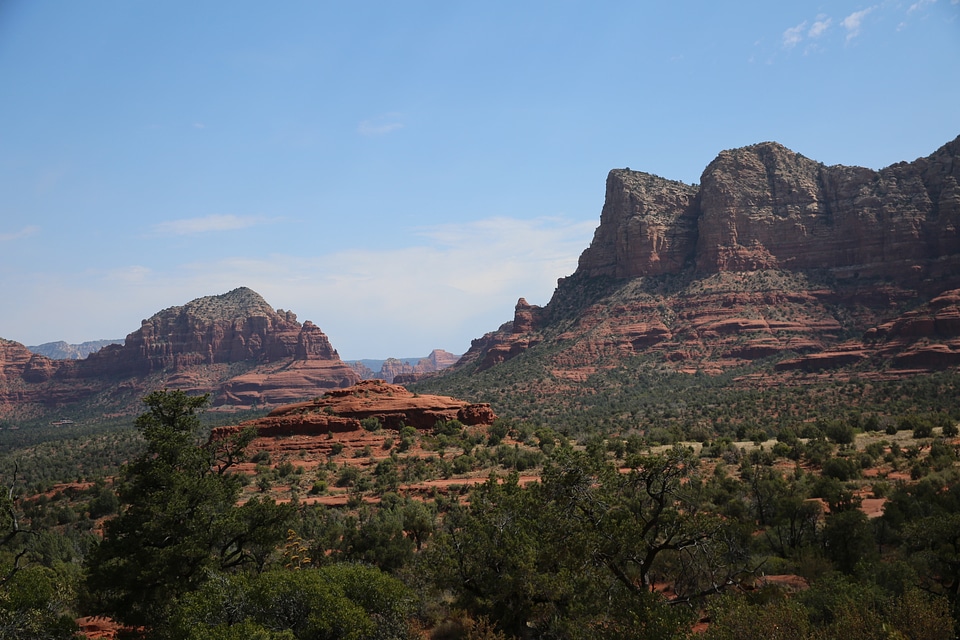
179,519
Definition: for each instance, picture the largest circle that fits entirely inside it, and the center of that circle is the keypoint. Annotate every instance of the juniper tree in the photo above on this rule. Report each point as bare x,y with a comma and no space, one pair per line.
178,518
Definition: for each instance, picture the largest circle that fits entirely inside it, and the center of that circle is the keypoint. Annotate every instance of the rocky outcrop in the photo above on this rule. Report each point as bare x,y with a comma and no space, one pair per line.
64,351
270,385
937,320
402,371
510,340
927,338
772,255
238,326
437,361
766,207
648,226
343,410
233,346
365,372
14,360
393,367
393,406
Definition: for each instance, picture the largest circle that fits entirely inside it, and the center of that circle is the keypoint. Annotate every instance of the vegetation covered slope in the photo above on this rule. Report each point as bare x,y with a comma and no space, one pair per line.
838,530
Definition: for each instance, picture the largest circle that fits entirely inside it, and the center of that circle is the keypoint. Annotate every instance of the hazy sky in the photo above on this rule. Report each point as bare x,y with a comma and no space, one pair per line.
401,172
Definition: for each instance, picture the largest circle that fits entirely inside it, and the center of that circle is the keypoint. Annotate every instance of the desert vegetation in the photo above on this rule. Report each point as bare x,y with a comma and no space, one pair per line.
720,519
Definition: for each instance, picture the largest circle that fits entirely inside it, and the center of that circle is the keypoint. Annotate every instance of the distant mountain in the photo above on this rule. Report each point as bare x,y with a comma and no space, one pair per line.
403,370
233,346
772,257
64,351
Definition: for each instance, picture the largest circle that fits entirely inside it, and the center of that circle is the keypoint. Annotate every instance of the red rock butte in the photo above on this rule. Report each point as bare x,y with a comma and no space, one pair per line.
233,346
772,253
342,410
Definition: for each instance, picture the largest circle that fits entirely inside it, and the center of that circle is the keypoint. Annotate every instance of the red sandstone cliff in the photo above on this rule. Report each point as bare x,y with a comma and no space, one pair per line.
342,410
773,253
234,346
509,340
764,206
238,326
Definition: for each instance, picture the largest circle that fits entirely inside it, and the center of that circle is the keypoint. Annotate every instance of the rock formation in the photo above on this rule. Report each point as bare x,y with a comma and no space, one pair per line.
509,340
393,367
922,339
773,253
402,372
234,346
342,410
64,351
238,326
766,207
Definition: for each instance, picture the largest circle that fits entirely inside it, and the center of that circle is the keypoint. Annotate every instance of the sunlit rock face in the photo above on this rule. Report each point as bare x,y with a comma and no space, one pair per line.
233,346
772,253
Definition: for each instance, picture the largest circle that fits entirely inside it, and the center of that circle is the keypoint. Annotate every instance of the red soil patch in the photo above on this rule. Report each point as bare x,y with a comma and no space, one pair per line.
65,487
788,582
873,507
99,627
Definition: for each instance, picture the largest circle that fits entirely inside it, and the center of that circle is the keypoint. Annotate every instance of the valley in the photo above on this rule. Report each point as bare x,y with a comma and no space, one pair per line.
736,419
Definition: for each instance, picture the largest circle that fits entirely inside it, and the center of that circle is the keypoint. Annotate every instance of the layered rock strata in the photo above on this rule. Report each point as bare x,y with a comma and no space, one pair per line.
766,207
234,346
343,410
773,253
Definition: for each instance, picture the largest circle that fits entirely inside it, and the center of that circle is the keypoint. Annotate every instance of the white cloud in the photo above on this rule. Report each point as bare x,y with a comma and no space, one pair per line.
214,222
131,274
793,35
380,125
458,282
854,21
920,4
819,27
22,233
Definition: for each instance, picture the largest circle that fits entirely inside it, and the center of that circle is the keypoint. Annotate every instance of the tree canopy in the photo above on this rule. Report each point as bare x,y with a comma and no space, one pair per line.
179,518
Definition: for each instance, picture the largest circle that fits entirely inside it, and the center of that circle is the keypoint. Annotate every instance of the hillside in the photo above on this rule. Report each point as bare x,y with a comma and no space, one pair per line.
233,346
61,350
773,268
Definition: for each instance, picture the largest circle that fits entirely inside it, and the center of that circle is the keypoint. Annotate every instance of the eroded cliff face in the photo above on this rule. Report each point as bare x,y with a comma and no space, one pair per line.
343,410
238,326
17,364
766,207
199,347
773,253
648,226
511,339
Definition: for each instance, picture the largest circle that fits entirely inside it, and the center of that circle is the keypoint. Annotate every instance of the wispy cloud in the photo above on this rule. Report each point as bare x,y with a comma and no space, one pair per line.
920,4
22,233
453,284
207,224
130,274
794,35
380,125
816,34
853,22
819,27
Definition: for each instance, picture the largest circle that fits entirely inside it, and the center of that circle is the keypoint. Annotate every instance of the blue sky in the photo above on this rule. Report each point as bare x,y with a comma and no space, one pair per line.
401,172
